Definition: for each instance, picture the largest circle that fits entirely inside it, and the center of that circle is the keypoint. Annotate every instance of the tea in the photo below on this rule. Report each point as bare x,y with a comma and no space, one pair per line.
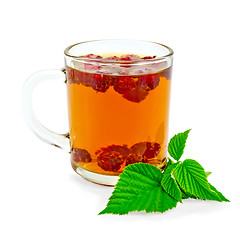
118,113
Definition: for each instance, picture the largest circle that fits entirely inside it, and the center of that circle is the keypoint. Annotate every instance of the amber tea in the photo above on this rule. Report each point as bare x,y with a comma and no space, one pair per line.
117,115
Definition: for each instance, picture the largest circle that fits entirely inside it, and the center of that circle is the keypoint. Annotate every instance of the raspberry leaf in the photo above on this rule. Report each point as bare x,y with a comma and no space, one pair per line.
139,188
192,179
177,144
186,195
169,184
220,195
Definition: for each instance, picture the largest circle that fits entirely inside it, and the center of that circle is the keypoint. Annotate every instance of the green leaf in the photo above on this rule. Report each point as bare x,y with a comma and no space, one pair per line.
192,179
220,195
186,195
169,184
177,145
139,189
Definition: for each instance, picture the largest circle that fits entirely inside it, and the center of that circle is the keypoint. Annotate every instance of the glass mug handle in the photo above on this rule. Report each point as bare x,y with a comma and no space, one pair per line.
55,139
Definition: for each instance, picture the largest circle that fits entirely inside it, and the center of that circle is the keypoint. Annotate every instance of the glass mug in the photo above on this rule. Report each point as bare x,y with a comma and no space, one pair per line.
118,106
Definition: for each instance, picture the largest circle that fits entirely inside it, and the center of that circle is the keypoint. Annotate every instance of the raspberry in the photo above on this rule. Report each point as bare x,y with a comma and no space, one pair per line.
77,77
85,79
123,150
73,76
149,81
110,161
93,56
139,148
135,158
137,95
99,82
124,84
152,150
146,149
80,155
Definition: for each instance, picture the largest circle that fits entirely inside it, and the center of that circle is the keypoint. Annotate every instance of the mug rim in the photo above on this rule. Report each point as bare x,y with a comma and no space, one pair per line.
66,51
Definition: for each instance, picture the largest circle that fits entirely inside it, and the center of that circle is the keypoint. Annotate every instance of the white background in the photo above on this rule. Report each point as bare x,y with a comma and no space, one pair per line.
41,196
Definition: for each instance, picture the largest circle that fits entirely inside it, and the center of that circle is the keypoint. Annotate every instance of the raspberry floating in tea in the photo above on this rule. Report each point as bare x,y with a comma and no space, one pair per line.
135,158
137,95
125,84
122,149
132,82
110,161
74,76
113,157
80,155
99,82
146,149
149,81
